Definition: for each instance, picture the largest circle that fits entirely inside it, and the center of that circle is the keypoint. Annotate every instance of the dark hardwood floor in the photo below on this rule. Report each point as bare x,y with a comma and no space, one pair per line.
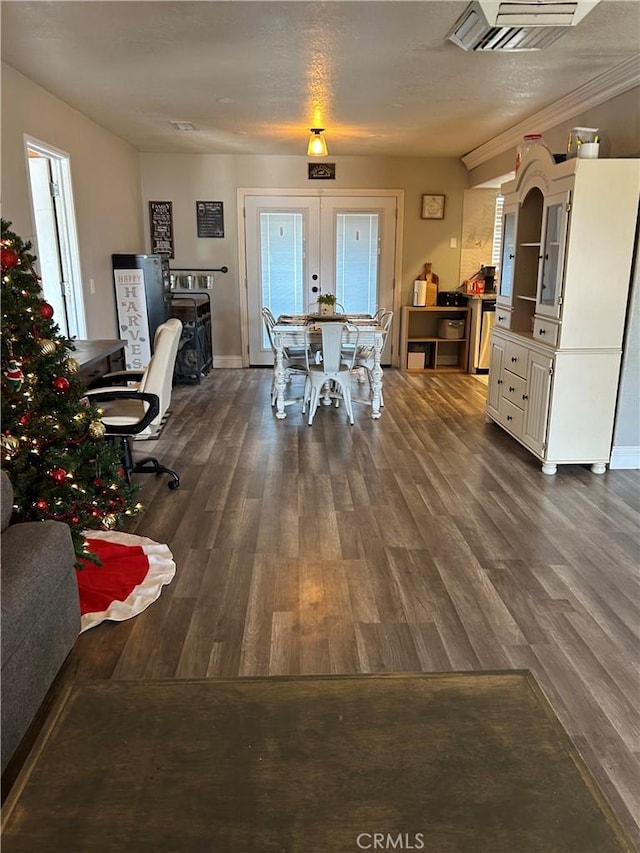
425,541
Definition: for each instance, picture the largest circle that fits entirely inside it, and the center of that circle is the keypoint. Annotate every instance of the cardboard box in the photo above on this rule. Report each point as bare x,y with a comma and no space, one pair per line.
415,361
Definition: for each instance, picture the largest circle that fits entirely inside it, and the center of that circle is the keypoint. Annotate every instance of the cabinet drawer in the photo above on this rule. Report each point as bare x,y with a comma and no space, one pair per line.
511,416
515,358
503,318
513,388
96,370
545,332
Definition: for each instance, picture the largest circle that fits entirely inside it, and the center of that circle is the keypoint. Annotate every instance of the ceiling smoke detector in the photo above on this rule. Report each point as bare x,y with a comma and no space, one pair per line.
182,125
516,24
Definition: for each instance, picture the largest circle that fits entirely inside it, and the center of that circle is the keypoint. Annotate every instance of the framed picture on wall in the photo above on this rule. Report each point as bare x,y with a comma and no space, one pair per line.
161,224
322,171
210,218
432,206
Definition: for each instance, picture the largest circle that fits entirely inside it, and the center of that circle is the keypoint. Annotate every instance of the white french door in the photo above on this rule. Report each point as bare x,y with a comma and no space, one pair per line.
300,246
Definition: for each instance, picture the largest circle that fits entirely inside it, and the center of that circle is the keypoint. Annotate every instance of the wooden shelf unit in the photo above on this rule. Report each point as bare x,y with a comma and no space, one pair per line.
420,326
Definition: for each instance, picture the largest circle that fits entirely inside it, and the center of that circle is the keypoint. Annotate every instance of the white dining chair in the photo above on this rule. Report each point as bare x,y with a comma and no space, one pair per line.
295,361
331,378
363,361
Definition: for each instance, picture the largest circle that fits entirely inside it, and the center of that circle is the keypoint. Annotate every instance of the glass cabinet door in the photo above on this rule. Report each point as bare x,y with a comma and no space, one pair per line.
508,254
552,266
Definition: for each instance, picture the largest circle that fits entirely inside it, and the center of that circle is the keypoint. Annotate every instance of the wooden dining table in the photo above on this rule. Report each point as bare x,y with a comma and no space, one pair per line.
291,331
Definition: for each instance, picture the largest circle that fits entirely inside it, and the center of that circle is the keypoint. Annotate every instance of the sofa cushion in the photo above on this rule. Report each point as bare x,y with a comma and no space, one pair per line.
36,558
6,498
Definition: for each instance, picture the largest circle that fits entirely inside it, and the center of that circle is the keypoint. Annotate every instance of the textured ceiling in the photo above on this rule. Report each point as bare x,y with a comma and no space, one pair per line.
254,76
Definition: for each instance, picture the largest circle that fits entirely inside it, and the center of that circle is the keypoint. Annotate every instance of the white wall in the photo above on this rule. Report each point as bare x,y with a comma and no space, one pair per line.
106,186
113,184
187,178
477,230
626,436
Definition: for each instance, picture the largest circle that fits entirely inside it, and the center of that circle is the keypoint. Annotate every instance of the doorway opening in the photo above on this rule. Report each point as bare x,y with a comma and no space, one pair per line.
297,245
56,239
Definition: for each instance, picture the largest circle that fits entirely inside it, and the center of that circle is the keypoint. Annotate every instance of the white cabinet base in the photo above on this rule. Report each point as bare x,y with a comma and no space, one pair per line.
557,404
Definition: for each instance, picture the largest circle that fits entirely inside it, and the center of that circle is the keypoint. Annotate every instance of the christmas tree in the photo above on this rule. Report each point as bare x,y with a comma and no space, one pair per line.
53,445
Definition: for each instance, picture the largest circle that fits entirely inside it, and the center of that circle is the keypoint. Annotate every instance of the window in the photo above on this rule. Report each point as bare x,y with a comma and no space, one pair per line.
497,231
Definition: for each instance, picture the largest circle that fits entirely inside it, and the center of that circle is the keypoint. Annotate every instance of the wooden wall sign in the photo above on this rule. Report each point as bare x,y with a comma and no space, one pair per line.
161,224
322,171
210,218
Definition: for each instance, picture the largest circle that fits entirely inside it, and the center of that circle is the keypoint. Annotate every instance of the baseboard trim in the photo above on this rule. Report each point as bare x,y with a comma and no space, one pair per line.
625,457
227,361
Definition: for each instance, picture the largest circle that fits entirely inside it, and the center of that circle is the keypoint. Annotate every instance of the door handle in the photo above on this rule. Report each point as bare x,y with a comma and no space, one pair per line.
315,289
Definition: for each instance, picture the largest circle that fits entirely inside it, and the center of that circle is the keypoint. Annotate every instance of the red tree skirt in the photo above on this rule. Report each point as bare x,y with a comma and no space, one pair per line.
134,569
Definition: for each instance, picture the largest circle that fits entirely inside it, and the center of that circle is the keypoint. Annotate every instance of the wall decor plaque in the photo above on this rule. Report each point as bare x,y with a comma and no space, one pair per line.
432,207
322,171
210,218
161,225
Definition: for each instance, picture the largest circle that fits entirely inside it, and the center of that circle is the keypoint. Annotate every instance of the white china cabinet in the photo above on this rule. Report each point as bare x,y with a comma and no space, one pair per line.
569,231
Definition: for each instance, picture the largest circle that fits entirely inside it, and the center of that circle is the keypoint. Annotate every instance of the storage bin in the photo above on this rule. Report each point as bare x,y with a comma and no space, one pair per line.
415,360
452,330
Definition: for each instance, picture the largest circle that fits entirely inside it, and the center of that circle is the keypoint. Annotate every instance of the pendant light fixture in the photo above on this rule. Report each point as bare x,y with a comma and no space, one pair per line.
317,143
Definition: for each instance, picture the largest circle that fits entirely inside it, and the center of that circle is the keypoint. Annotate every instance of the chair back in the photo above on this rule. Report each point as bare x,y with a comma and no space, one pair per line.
334,336
384,320
158,375
267,313
269,323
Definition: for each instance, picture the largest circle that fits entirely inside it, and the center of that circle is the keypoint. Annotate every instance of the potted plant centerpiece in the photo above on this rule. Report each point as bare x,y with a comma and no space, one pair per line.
326,303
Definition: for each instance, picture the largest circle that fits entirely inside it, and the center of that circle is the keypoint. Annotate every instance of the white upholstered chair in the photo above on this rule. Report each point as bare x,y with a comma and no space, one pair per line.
132,411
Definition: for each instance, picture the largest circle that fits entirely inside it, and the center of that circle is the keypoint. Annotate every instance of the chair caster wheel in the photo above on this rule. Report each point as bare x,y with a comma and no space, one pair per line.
174,484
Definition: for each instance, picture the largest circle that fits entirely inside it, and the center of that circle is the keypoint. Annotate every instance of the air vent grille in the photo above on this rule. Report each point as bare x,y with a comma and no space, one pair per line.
516,25
518,38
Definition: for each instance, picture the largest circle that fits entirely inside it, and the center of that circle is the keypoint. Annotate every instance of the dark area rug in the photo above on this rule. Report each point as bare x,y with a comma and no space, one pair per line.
438,762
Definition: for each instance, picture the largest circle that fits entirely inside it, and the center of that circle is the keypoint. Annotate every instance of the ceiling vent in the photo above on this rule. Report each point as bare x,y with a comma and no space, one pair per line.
183,125
516,24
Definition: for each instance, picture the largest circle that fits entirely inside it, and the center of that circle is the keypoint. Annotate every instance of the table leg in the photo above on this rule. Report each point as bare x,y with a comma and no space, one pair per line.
280,377
376,381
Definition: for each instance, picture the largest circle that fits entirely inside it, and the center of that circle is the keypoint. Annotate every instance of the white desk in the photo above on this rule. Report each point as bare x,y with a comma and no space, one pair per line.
293,334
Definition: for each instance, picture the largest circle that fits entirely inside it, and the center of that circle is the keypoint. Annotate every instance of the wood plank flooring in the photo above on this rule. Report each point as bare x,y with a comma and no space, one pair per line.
425,541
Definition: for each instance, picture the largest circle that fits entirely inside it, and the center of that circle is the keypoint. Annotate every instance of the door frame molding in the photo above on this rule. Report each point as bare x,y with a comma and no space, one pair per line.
243,192
62,160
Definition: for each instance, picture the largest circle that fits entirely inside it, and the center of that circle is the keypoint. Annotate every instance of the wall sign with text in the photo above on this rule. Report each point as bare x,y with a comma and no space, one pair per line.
133,323
210,218
322,171
161,224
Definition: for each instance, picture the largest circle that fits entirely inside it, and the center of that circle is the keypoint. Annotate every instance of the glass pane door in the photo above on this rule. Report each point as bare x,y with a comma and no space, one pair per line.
357,238
300,246
552,256
282,262
282,239
508,255
358,251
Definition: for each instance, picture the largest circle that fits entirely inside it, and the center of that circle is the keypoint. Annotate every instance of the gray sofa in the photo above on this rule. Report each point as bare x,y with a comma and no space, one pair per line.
40,615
